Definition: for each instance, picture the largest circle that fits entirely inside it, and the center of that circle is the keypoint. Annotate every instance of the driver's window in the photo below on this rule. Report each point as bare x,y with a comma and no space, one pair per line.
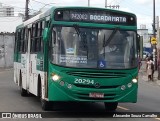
54,46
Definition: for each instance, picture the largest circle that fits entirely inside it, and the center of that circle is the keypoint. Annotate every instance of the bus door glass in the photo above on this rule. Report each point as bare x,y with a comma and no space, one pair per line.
28,68
33,56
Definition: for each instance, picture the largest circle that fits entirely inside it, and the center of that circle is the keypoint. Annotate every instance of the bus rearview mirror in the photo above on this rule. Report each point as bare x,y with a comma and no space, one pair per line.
138,42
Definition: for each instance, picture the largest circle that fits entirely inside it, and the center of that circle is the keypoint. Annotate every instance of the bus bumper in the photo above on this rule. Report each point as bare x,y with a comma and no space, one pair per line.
59,93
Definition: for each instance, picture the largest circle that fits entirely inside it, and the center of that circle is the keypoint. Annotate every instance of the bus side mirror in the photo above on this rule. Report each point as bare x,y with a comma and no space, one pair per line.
45,34
138,42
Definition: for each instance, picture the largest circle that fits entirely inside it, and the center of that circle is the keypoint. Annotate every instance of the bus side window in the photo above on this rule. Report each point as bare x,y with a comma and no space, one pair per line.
15,45
32,39
36,38
38,47
41,34
53,41
26,39
19,40
47,23
23,41
54,37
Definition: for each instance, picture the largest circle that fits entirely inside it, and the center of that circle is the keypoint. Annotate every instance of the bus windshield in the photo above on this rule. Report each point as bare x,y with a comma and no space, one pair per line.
93,48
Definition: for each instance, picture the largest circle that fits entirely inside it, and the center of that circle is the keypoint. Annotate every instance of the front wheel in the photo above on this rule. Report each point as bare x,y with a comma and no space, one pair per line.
111,106
23,92
46,105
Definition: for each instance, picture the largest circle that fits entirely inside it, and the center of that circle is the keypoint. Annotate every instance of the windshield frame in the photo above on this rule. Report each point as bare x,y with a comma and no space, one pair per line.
95,27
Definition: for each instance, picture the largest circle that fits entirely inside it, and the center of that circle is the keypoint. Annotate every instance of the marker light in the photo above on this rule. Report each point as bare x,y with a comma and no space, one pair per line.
55,77
134,80
61,83
123,87
69,86
129,85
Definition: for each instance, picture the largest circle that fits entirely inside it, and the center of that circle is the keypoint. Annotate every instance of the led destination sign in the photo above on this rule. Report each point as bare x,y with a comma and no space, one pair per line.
95,16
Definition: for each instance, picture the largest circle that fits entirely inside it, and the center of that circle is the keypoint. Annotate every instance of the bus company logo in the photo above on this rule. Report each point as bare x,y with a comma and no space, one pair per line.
97,85
6,115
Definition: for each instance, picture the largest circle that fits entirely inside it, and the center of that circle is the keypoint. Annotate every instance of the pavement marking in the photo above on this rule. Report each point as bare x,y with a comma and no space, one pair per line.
157,118
123,108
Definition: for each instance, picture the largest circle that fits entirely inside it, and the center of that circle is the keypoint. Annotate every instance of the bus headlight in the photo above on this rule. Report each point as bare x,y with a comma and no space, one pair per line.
55,77
134,80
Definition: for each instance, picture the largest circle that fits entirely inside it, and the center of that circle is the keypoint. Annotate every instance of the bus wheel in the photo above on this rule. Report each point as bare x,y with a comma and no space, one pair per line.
46,105
23,92
111,106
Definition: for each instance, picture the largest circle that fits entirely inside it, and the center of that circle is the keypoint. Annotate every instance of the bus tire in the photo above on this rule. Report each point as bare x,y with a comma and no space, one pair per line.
46,105
23,92
111,106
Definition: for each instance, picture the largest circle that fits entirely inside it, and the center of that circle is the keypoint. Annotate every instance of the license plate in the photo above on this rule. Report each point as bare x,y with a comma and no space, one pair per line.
96,95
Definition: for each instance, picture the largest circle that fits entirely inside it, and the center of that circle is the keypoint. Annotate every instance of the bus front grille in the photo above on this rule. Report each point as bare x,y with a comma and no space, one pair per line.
90,74
93,86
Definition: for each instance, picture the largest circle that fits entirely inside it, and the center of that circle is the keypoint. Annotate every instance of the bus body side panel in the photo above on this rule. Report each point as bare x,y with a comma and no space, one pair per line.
33,74
41,73
36,72
16,72
43,80
23,68
20,70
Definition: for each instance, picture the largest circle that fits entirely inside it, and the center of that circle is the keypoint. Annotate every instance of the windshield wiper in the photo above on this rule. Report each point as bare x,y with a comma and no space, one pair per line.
104,38
110,37
82,36
76,27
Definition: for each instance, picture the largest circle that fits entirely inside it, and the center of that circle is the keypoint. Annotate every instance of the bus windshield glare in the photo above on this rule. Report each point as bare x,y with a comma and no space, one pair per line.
93,48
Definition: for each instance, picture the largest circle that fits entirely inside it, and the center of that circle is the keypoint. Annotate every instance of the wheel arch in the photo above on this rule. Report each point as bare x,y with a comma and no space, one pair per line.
20,78
39,85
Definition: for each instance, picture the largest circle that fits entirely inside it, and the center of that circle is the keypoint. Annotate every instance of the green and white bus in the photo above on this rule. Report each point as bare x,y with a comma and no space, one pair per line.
78,54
